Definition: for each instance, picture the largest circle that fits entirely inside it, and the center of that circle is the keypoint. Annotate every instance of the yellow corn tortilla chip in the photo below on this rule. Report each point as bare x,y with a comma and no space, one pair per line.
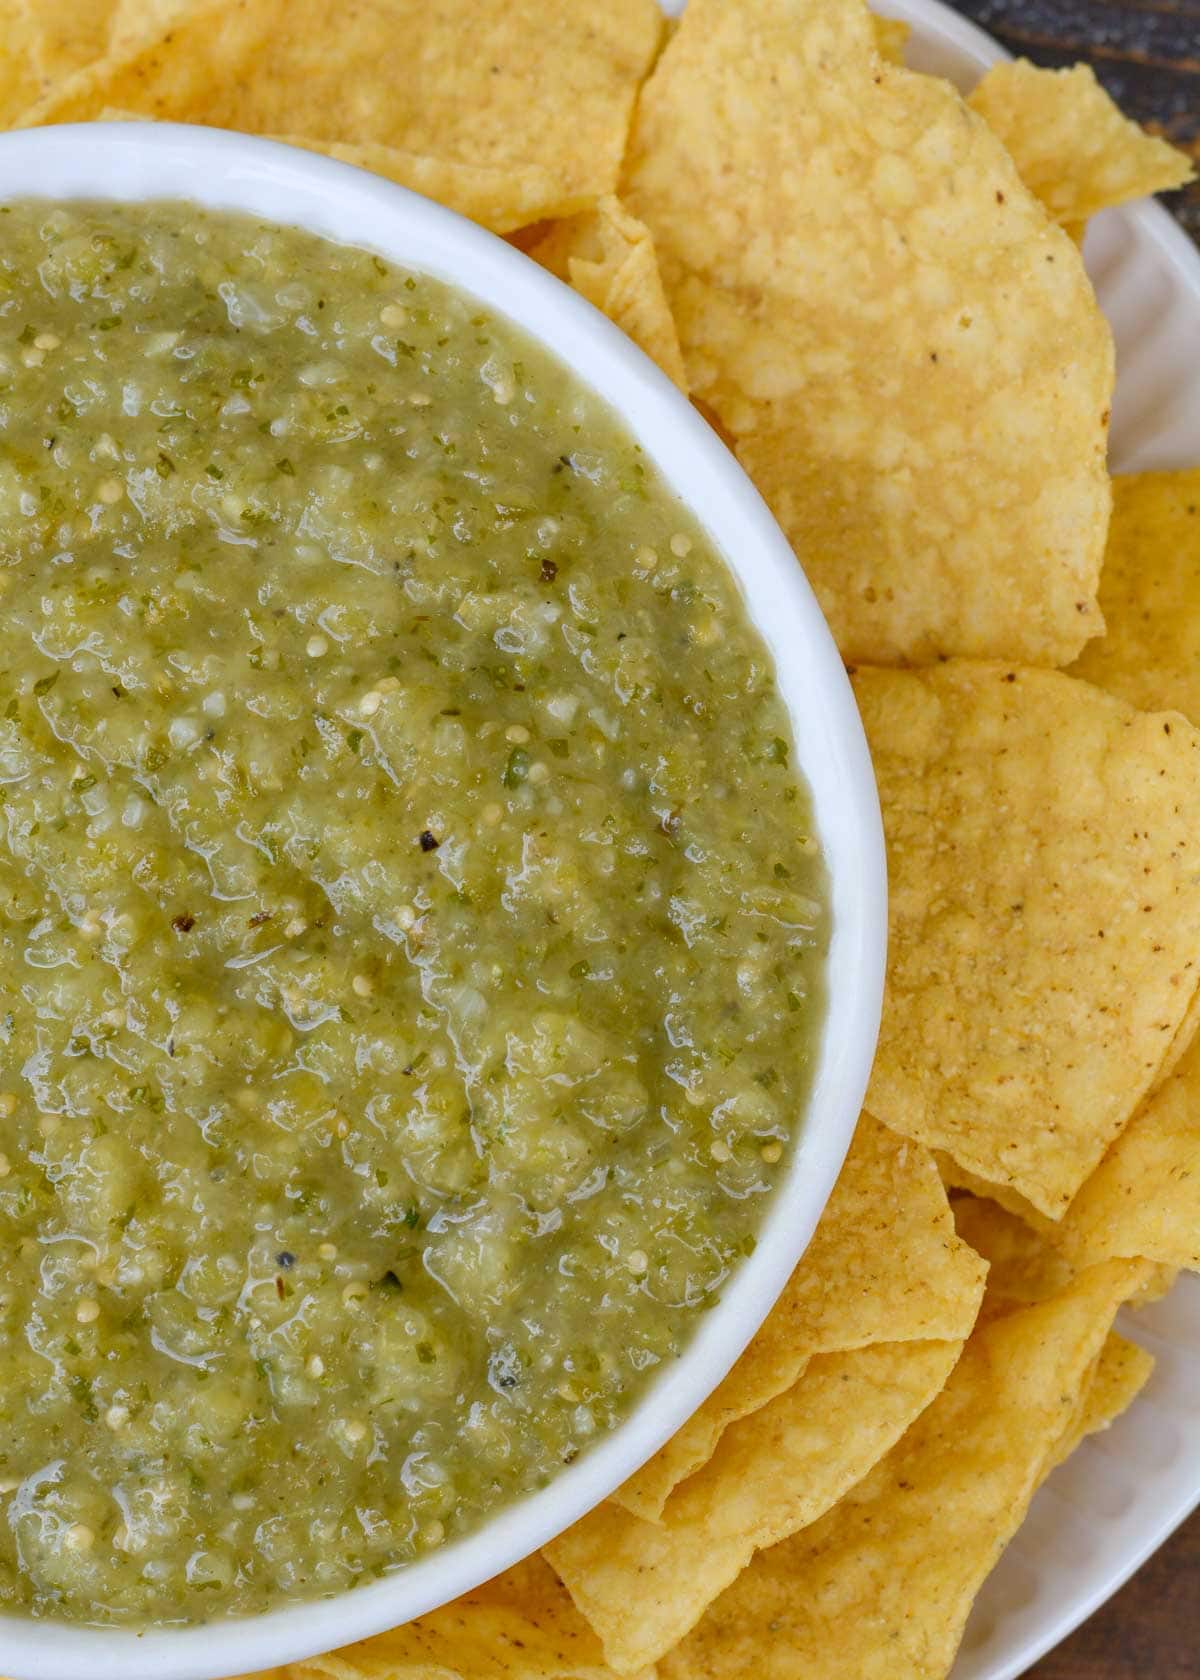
608,256
140,20
1044,856
302,67
1023,1267
1150,593
904,348
521,1626
884,1265
20,83
772,1474
956,1177
1144,1197
1070,143
880,1587
1121,1372
891,37
65,37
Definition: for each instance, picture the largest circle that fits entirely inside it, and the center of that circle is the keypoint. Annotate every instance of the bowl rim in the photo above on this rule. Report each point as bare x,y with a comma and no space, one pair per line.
220,170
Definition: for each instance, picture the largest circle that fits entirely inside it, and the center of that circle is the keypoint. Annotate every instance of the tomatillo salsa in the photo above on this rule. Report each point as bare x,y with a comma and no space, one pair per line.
412,926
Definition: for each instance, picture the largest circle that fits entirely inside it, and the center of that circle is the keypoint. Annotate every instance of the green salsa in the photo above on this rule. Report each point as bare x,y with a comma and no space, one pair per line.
411,929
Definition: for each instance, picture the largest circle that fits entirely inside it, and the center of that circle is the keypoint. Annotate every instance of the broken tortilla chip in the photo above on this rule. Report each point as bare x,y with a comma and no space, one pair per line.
608,256
1070,143
880,1587
883,1266
299,67
772,1474
904,348
1044,863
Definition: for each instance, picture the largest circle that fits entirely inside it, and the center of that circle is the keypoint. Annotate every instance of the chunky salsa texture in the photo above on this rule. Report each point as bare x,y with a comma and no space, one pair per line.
411,924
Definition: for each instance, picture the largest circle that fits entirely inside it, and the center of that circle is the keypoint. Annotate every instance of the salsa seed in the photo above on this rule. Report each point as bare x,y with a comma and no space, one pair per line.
87,1312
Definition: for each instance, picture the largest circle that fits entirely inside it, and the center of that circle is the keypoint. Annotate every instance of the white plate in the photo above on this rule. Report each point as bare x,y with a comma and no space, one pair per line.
1103,1512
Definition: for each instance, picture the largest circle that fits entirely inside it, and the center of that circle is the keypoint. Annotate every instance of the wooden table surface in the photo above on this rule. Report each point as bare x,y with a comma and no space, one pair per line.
1147,53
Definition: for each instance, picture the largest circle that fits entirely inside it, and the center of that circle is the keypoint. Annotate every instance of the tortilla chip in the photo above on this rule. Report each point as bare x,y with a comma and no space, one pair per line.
332,74
142,20
891,37
904,348
1144,1197
883,1266
1044,854
956,1177
1150,593
1121,1372
772,1474
66,37
608,256
1023,1267
1070,143
521,1626
880,1587
20,83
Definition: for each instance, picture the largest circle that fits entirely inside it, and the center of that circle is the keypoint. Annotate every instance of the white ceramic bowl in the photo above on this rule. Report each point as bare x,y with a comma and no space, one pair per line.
134,161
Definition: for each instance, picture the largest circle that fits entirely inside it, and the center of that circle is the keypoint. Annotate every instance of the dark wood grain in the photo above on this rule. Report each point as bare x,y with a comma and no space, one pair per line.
1149,1631
1147,54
